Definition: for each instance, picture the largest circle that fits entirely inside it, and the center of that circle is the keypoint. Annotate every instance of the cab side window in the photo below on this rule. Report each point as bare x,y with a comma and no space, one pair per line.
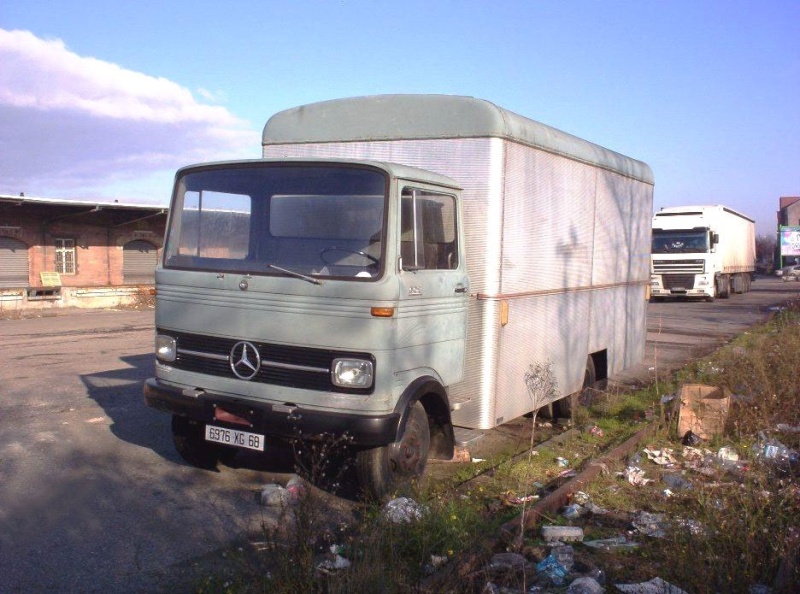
428,237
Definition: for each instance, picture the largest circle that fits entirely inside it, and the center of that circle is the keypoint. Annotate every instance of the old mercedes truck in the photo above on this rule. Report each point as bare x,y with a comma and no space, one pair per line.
701,251
395,267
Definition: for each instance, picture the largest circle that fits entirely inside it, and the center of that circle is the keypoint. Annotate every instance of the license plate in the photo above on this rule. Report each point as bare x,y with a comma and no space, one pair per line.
232,437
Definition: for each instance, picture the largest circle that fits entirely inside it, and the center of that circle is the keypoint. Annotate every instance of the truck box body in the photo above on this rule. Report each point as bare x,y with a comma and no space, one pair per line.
393,267
701,251
557,231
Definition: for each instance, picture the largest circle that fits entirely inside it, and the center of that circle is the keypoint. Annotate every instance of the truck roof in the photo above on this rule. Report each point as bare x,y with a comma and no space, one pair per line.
405,117
395,169
696,210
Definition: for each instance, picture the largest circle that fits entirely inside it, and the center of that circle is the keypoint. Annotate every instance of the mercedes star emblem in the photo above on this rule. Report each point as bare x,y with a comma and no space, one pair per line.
245,360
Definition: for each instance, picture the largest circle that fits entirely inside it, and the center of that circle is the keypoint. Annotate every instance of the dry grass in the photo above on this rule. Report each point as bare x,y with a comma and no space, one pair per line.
735,528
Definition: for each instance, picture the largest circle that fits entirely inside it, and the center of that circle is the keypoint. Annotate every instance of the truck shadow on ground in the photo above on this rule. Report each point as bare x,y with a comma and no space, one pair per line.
119,393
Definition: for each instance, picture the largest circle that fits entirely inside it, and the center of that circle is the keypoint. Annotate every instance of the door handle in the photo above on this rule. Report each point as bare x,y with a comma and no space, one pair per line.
461,289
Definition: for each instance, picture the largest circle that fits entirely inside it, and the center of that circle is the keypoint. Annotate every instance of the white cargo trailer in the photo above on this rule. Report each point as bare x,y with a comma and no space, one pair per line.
701,251
421,256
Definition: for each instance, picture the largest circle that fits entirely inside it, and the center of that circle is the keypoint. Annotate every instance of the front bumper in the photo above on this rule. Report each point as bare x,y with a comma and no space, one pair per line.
272,420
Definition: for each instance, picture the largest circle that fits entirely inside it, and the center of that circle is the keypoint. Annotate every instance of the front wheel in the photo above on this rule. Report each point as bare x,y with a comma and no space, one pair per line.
389,468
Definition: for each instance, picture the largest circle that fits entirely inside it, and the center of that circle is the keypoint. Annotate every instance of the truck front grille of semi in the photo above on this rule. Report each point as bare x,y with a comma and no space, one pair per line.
678,266
281,365
678,281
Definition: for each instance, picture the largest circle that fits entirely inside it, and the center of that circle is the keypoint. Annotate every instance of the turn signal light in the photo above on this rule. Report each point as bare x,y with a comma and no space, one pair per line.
382,312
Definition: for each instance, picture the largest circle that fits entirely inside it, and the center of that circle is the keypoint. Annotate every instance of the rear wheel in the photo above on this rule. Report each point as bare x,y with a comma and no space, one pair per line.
389,468
565,407
189,439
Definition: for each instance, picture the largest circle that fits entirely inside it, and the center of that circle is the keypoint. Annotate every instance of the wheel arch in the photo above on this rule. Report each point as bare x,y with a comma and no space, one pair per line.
433,397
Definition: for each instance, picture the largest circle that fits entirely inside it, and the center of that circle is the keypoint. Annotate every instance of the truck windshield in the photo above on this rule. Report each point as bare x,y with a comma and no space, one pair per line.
679,242
303,220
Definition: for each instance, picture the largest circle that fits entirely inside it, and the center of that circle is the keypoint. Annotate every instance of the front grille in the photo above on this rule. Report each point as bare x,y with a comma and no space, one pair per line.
211,355
679,281
680,266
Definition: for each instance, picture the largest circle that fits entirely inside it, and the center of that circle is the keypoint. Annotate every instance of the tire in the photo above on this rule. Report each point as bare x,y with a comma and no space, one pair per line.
724,287
387,469
564,407
188,437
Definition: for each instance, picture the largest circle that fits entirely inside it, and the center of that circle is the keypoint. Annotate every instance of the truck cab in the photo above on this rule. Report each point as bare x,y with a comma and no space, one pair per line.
312,299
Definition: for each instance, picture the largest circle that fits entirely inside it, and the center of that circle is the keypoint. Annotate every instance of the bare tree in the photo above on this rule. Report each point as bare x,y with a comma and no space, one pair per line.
766,248
542,389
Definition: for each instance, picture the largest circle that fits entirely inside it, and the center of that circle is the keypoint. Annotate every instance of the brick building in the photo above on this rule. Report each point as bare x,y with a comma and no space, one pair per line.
62,253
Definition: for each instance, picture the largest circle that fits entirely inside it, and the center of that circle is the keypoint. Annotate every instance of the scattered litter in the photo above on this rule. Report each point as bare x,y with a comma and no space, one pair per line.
562,461
507,561
402,510
585,585
573,511
662,457
565,555
676,482
595,430
772,450
650,524
703,410
635,476
785,428
580,497
690,439
336,562
666,399
296,489
435,563
438,560
478,460
728,454
516,500
461,454
694,527
552,569
562,533
274,495
567,473
595,509
617,543
654,586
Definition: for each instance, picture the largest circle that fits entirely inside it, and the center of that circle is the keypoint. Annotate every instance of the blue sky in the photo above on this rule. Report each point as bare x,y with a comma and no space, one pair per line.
104,100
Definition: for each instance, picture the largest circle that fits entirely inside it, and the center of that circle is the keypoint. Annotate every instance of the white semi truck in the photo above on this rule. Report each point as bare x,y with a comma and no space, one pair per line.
395,267
701,251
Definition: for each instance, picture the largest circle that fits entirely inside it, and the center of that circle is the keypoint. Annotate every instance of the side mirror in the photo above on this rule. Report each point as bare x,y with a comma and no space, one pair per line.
714,238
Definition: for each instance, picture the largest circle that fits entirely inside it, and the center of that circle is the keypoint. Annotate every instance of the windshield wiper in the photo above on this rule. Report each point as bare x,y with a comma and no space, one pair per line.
310,279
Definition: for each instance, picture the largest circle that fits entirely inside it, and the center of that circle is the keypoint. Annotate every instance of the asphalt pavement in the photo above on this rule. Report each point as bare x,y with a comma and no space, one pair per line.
93,497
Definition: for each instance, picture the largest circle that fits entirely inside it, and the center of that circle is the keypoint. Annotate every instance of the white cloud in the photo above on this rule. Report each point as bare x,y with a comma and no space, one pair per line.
75,124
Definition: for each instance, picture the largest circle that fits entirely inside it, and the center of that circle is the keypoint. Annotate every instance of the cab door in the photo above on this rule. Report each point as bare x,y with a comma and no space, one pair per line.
434,286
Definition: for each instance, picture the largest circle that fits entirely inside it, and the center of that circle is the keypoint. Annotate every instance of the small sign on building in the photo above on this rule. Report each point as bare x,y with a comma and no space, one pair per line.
50,279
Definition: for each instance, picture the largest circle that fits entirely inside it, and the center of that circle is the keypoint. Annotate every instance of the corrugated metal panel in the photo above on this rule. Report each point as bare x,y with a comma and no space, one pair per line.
561,224
13,263
139,259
